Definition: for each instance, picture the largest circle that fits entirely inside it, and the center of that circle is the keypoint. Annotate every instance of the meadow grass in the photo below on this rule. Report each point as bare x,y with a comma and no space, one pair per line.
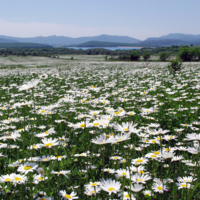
102,131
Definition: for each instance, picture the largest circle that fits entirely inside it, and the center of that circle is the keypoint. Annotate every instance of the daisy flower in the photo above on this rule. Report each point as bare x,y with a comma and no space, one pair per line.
29,85
147,192
49,142
89,191
139,161
183,185
126,196
159,187
67,196
136,188
27,167
110,186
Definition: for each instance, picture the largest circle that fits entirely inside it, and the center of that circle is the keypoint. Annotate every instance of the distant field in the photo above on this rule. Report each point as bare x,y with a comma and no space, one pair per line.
32,61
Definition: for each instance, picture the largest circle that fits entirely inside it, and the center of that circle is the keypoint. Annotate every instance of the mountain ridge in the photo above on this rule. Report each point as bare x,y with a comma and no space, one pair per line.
63,40
56,41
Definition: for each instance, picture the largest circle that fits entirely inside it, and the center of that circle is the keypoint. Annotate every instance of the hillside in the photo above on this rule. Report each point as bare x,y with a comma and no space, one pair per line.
23,45
62,40
103,44
2,40
163,42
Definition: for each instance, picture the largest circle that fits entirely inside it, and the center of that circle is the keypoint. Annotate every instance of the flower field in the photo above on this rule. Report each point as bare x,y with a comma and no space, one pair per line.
100,132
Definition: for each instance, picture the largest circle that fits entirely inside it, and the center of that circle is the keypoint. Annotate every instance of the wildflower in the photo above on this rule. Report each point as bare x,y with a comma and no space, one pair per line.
159,187
183,185
64,195
30,85
110,186
136,187
27,167
139,161
49,142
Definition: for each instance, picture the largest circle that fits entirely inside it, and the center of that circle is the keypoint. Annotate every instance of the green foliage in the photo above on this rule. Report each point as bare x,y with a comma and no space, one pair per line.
198,53
72,58
146,56
134,56
164,56
186,54
175,66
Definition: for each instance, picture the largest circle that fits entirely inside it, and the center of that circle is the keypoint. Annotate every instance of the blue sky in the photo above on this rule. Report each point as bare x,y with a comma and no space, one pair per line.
75,18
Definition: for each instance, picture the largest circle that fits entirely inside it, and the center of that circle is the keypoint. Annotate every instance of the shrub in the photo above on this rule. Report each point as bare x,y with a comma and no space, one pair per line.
175,66
134,55
164,56
146,56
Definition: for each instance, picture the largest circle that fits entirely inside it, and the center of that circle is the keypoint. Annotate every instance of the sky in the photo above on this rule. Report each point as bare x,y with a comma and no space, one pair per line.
139,19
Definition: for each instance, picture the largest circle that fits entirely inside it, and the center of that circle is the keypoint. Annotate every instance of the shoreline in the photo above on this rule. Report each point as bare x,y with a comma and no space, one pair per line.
129,47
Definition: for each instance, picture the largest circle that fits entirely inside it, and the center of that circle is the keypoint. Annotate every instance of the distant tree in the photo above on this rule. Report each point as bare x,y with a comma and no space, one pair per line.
164,56
186,54
146,56
134,56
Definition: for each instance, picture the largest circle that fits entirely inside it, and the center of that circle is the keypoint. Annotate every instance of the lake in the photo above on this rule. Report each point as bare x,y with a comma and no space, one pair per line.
109,48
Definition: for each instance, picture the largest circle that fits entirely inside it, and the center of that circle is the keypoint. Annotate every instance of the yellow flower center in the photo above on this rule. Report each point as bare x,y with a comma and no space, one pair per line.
93,192
107,136
46,132
7,179
111,189
139,160
40,178
115,157
42,172
159,188
18,179
141,172
127,196
125,129
82,125
94,184
183,185
123,173
48,144
154,156
27,167
96,124
42,111
116,113
68,196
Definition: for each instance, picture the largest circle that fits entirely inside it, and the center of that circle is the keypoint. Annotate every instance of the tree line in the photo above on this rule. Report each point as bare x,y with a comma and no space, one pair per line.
185,53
